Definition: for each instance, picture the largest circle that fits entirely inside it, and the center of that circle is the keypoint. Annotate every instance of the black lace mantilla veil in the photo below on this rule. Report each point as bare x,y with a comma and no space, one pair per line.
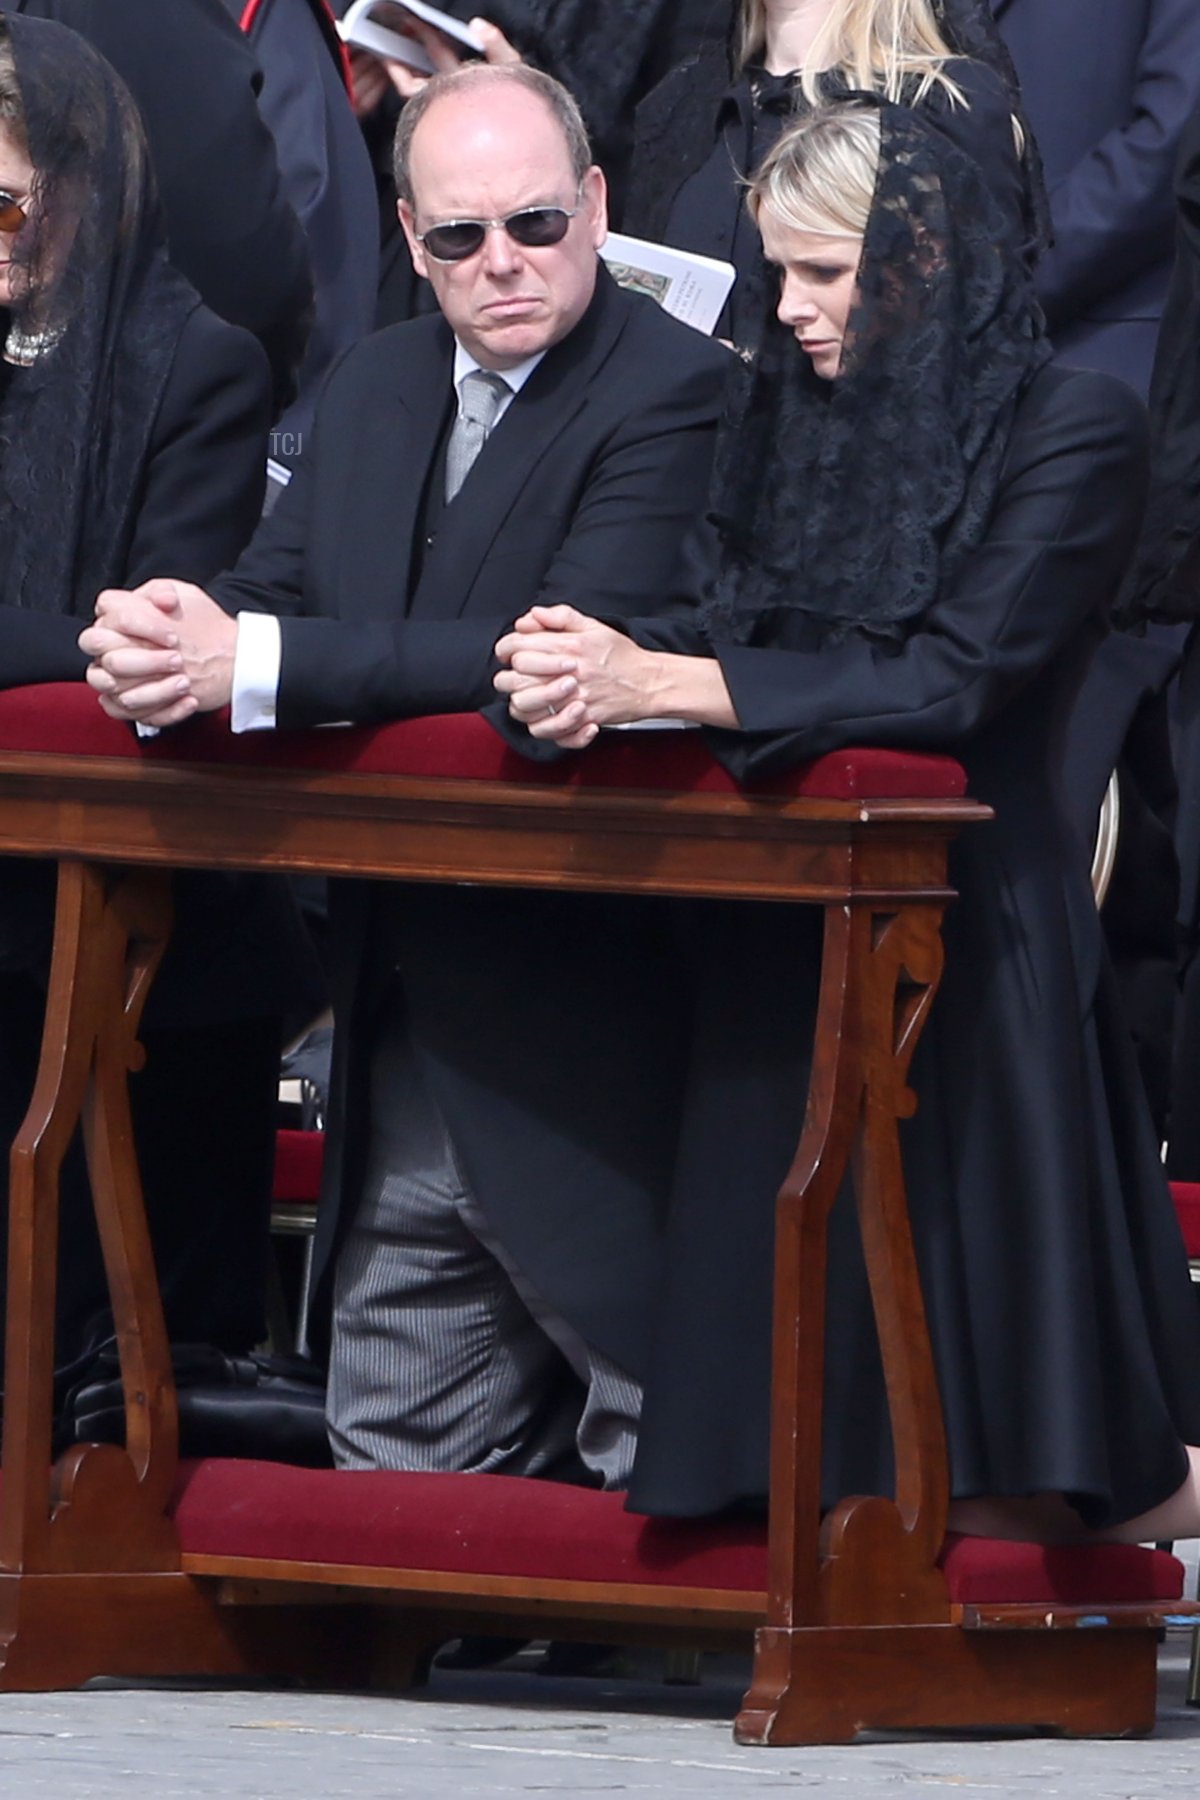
675,123
845,506
99,330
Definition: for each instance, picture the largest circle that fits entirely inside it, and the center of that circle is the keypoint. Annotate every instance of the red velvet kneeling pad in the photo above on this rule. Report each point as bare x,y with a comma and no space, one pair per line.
502,1525
299,1159
1186,1196
64,718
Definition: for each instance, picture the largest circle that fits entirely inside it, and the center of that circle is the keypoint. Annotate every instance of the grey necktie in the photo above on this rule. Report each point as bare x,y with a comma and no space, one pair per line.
480,395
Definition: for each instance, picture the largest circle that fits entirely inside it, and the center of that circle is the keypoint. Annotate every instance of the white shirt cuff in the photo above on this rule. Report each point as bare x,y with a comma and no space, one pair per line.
256,664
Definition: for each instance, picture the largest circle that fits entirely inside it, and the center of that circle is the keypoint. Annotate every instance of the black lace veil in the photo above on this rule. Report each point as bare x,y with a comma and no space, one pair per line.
844,506
97,318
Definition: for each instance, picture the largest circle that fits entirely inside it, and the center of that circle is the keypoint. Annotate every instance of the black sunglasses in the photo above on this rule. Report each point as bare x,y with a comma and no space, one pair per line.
534,227
12,214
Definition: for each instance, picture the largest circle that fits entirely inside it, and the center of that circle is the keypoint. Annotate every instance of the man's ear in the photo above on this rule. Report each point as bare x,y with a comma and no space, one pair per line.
594,200
408,222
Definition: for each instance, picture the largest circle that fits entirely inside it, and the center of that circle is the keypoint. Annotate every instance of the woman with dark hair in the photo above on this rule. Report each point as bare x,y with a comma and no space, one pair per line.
133,429
921,523
711,121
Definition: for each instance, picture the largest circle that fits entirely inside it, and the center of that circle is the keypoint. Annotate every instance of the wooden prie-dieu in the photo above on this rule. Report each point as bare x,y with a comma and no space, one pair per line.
128,1562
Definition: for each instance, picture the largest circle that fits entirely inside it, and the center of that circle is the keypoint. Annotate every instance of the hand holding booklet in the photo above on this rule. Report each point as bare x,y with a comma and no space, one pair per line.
380,27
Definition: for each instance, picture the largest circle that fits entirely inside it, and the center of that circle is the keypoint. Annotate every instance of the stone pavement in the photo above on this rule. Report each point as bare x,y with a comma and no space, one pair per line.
515,1733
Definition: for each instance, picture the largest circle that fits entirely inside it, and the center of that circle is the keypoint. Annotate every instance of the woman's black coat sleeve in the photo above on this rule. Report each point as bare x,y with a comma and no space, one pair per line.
200,497
1063,529
202,493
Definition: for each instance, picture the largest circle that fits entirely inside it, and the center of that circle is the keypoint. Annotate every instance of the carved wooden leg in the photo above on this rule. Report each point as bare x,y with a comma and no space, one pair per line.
90,1559
873,1560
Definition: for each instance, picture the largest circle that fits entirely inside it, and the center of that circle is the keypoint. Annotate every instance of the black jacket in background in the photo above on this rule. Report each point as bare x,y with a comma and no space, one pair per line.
327,177
230,229
1108,86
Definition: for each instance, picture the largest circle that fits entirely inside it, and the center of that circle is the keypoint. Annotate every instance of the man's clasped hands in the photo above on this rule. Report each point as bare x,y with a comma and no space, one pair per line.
164,651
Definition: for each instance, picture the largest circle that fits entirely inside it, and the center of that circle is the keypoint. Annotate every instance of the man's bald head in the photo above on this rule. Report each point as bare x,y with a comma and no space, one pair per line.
492,148
470,83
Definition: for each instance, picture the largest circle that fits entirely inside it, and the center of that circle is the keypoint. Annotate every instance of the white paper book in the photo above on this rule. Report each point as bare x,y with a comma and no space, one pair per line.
691,288
378,26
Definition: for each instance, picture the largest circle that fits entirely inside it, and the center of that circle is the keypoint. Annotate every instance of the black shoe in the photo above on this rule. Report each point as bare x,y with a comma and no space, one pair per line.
479,1652
564,1658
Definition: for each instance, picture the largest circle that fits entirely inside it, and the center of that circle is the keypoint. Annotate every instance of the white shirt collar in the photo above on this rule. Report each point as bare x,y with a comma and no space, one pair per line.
516,377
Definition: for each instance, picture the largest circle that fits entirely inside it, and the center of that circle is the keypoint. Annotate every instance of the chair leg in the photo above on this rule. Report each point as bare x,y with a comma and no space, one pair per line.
281,1339
1193,1686
305,1290
682,1668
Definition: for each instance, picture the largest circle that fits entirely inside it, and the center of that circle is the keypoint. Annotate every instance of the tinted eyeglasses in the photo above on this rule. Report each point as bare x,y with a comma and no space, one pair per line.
12,213
534,228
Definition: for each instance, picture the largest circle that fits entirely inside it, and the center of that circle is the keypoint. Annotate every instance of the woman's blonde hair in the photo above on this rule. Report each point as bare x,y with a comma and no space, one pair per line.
820,174
877,45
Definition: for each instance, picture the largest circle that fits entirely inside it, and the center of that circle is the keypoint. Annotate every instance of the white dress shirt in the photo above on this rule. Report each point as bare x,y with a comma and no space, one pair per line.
258,653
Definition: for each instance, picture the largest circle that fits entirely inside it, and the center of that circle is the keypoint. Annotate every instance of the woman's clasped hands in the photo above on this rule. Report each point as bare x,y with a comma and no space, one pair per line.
566,675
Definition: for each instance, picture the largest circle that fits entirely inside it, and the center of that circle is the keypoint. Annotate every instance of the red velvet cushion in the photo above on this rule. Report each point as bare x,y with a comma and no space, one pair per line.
65,718
500,1525
983,1570
468,1524
299,1158
1186,1195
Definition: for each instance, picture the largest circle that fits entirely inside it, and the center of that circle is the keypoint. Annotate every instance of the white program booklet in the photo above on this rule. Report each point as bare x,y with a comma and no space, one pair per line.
689,287
378,26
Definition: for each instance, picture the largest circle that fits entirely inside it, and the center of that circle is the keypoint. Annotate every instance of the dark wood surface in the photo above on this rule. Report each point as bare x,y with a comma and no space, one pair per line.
856,1628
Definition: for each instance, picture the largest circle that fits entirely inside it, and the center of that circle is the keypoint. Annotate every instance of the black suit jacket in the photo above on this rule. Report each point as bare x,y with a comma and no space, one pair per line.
1108,85
230,228
584,492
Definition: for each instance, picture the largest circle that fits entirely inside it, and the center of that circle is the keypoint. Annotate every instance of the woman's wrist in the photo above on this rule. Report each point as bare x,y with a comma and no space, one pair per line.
691,688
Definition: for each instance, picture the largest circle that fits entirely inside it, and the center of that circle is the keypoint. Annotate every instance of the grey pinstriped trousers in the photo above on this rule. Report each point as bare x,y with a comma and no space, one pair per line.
443,1357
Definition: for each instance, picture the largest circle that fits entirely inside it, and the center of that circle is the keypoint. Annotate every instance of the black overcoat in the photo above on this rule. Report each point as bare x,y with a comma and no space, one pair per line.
204,1107
1064,1323
584,491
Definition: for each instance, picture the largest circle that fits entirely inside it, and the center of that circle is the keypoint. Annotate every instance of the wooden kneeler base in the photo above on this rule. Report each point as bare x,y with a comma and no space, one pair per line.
823,1685
856,1626
60,1631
